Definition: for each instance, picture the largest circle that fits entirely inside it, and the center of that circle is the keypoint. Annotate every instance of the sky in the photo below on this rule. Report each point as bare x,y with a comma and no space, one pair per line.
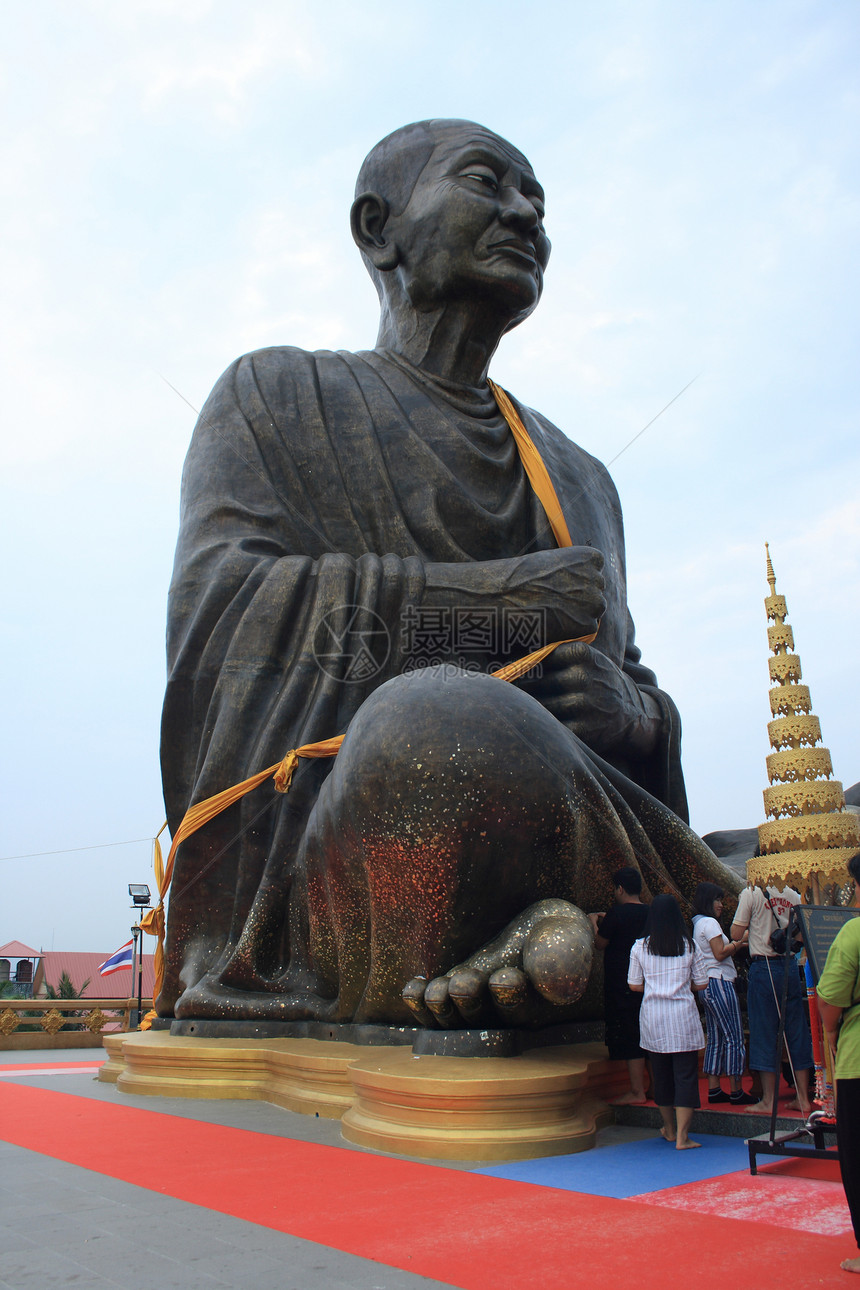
176,188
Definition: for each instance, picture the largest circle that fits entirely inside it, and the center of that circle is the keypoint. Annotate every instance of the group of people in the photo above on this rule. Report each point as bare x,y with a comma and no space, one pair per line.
654,966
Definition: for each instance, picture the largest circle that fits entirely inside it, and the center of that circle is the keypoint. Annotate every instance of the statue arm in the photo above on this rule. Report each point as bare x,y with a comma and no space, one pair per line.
563,587
661,773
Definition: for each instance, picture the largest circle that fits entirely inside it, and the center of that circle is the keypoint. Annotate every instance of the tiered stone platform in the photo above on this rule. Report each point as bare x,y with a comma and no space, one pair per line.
548,1101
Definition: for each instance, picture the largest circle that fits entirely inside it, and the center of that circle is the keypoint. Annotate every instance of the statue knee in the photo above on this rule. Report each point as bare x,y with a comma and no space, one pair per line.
420,708
447,697
444,726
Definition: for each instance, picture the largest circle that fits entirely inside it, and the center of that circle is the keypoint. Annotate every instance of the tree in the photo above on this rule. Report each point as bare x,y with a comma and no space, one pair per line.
65,989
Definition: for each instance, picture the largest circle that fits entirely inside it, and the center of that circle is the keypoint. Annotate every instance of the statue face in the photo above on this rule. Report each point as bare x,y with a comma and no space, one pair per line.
473,226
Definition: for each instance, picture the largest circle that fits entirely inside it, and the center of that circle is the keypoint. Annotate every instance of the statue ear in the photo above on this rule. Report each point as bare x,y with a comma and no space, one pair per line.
368,218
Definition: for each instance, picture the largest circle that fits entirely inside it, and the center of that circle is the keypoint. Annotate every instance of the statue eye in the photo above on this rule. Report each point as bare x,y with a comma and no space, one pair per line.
484,176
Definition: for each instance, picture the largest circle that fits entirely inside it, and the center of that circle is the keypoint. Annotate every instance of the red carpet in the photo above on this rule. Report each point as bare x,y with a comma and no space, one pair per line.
774,1197
470,1231
21,1068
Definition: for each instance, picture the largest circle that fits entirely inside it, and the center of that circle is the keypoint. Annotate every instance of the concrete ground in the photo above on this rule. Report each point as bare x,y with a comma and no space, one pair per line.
63,1225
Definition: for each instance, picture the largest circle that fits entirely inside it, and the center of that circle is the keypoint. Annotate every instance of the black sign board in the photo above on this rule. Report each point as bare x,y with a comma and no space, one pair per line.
818,926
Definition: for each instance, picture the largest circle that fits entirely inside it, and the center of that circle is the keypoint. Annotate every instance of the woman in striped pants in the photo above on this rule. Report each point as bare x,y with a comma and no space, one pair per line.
725,1049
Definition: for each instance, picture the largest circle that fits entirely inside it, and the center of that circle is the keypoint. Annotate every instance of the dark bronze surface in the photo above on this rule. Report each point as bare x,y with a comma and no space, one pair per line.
359,547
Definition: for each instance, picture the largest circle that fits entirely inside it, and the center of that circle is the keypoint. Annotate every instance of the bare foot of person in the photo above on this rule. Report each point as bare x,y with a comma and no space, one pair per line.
760,1108
629,1099
685,1144
850,1265
536,967
667,1134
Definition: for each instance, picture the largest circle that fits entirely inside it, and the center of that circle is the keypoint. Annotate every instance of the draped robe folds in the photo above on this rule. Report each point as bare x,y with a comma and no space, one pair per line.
320,489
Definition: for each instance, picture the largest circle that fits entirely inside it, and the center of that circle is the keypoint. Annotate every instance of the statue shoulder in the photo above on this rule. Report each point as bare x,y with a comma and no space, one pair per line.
278,361
555,445
274,377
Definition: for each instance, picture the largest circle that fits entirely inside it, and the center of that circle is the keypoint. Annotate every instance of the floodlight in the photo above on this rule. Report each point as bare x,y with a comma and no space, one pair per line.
139,893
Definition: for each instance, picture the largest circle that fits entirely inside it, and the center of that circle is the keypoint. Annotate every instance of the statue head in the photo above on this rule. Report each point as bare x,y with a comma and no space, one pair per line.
446,211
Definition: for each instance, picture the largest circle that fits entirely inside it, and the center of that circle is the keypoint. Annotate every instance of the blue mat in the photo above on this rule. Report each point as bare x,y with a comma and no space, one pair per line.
630,1168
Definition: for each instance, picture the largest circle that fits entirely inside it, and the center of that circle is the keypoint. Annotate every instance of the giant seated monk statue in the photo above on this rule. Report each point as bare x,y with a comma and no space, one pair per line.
360,547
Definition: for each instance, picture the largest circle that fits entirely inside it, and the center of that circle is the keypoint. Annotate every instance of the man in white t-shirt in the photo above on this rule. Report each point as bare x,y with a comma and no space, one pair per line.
762,913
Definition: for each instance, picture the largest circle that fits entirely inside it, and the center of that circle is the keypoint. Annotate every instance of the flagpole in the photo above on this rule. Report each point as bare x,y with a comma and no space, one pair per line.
135,963
139,937
140,895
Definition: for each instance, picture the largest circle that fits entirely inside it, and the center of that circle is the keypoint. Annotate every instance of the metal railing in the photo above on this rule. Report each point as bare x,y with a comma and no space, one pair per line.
63,1023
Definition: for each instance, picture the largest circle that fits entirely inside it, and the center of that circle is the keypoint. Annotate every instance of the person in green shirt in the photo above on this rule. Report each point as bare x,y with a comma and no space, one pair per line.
839,1006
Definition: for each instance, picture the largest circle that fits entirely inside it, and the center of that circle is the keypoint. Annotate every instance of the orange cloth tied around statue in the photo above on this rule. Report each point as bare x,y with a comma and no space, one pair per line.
202,812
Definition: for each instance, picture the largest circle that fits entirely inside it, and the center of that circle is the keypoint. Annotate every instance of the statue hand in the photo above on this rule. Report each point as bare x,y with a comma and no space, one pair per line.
566,584
584,690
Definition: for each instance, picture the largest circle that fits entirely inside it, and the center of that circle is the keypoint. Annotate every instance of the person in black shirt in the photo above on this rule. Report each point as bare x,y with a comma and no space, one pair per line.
614,933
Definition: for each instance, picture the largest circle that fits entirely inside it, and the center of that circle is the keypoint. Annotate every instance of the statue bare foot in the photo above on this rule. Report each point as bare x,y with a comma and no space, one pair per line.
534,969
296,1000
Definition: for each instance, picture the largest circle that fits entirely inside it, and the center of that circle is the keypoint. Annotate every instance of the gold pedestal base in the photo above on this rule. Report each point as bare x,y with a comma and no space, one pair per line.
546,1102
497,1108
114,1066
304,1075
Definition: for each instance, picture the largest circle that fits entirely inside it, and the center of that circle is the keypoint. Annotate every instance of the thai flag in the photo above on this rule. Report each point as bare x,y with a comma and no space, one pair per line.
119,961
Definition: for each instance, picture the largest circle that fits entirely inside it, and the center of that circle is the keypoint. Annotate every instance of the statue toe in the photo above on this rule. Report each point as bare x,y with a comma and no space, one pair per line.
467,989
438,1000
413,997
509,988
557,957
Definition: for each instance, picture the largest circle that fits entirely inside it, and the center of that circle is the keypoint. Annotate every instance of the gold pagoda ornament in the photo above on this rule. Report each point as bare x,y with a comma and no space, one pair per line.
809,837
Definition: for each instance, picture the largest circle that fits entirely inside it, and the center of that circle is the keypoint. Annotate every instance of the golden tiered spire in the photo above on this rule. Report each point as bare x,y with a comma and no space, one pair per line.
809,836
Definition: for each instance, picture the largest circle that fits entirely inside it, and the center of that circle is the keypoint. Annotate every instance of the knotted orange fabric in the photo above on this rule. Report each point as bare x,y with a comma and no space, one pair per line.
202,812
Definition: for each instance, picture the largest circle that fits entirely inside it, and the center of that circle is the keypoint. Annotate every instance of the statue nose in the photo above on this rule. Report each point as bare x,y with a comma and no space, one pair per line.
518,210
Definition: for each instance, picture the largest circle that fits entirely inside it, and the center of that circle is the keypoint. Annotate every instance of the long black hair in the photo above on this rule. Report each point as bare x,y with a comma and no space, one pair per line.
665,931
705,895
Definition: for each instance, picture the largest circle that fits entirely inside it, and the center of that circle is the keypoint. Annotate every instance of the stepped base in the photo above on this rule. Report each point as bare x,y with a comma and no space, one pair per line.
550,1101
538,1104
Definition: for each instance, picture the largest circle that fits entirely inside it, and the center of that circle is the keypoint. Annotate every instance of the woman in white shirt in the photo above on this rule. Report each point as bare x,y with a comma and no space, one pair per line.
666,967
725,1050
